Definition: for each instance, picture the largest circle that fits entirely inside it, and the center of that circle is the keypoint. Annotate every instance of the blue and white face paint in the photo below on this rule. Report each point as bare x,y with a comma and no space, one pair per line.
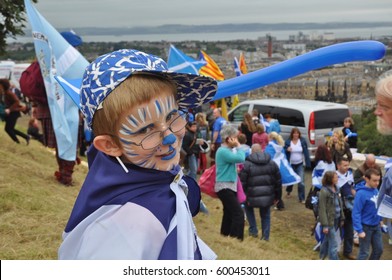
145,136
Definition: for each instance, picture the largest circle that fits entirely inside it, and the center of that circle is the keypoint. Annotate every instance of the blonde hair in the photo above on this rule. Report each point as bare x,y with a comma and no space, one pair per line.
277,137
340,143
137,89
201,119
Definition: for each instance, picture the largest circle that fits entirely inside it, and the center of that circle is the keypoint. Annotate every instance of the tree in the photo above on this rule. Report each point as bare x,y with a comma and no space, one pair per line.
369,139
12,20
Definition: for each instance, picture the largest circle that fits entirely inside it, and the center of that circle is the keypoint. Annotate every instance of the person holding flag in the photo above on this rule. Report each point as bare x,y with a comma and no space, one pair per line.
55,55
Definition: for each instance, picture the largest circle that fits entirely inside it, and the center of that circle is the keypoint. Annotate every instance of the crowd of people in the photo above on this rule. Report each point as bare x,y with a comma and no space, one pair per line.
149,130
268,165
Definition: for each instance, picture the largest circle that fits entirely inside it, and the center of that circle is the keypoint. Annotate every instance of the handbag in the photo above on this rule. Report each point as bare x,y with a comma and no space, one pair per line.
240,192
207,181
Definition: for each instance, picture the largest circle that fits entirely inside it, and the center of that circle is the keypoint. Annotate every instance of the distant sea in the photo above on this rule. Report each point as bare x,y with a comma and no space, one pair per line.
360,33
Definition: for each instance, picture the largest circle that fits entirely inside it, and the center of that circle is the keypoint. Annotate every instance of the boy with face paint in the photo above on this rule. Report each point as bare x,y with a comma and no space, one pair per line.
135,202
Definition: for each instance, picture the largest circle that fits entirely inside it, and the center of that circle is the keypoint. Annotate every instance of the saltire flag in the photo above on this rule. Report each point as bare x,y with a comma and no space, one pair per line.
57,57
289,177
237,68
240,69
181,63
211,69
318,172
265,123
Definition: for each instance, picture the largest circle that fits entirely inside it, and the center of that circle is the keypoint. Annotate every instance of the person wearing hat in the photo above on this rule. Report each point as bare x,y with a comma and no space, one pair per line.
135,202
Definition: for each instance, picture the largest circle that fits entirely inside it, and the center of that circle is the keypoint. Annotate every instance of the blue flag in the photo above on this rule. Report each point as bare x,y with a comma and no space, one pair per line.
57,57
237,69
181,63
289,177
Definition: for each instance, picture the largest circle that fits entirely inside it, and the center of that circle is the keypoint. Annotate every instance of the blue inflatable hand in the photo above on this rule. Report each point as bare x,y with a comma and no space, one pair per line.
335,54
350,134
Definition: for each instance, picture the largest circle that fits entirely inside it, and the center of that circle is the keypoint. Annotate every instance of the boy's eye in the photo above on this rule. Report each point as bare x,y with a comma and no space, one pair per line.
145,130
171,116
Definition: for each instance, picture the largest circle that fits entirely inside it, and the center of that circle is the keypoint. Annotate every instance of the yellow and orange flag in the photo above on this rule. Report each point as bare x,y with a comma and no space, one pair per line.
243,68
211,69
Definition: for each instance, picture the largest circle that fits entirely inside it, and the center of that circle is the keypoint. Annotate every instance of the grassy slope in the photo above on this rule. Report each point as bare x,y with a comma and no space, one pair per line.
34,209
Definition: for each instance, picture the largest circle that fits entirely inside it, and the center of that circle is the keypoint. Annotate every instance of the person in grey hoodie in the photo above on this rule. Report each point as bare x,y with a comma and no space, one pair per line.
262,185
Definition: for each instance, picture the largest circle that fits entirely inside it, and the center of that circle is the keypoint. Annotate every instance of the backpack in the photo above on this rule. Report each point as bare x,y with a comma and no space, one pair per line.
311,201
32,84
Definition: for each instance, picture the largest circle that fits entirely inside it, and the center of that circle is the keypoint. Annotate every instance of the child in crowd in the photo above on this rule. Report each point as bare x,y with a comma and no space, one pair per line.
365,219
331,215
135,202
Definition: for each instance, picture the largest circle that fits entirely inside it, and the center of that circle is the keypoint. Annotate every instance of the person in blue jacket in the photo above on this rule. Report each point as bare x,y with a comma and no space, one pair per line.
135,202
365,219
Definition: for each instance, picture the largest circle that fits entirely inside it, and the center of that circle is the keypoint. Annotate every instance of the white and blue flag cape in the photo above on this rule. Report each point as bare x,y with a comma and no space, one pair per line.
57,57
181,63
289,177
145,214
319,170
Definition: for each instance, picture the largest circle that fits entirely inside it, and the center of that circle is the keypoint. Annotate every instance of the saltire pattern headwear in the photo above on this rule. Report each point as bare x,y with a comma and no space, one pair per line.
56,56
181,63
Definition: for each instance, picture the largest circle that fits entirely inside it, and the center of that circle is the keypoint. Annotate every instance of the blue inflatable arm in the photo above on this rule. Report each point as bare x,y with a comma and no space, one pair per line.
334,54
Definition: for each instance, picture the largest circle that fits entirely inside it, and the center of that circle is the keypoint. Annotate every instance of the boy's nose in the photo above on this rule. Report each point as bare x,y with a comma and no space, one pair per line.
168,138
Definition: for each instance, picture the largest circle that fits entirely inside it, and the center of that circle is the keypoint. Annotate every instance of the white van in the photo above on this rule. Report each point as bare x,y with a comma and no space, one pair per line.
315,119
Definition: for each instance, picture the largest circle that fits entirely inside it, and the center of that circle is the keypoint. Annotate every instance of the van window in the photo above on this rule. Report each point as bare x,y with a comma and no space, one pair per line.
330,118
263,109
285,116
288,116
238,114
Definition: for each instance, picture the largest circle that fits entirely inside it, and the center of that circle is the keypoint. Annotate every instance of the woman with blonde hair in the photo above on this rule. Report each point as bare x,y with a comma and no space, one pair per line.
248,127
338,147
275,149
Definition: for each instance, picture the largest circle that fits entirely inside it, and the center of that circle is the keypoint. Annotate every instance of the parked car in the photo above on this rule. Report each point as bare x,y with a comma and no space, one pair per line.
315,119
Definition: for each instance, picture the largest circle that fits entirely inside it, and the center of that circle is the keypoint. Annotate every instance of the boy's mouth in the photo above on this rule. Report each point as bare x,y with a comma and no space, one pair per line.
169,155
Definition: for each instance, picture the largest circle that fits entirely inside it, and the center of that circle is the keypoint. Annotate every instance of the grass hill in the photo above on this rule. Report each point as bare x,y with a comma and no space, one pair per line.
34,209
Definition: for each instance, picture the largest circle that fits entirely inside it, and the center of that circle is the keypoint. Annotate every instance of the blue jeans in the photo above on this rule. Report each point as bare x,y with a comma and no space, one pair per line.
265,215
299,169
373,238
192,164
329,246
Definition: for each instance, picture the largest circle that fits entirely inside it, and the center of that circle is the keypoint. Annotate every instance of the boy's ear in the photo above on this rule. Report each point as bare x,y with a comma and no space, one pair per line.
105,144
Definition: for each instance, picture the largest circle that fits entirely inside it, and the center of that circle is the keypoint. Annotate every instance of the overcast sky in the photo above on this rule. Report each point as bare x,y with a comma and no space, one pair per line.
131,13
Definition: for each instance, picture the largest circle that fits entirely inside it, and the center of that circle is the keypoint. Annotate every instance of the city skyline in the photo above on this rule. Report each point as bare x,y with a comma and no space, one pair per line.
125,13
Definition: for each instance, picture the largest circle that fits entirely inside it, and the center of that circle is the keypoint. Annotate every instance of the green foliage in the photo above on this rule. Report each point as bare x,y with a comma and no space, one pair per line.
369,139
12,20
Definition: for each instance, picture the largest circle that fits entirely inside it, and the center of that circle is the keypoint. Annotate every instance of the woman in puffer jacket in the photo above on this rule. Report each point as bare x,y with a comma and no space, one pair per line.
261,182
